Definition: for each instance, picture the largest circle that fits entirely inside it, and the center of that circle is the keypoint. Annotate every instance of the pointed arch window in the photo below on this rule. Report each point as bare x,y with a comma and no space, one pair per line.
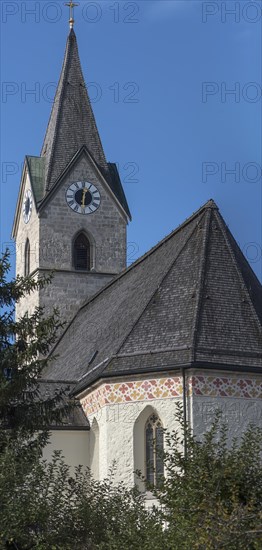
81,253
27,258
154,436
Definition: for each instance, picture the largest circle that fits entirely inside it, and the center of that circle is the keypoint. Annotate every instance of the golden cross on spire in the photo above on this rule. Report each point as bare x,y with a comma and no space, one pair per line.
71,5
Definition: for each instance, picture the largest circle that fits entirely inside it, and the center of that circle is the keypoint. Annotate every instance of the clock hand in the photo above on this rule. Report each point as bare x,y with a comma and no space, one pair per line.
84,197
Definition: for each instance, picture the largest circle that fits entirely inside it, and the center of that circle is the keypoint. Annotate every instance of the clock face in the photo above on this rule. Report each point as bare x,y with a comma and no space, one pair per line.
83,197
27,206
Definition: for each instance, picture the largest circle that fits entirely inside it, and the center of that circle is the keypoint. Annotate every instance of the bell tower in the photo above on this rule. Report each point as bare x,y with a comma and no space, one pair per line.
71,213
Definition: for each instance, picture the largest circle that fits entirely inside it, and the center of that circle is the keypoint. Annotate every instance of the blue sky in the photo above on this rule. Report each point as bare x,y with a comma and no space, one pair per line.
158,74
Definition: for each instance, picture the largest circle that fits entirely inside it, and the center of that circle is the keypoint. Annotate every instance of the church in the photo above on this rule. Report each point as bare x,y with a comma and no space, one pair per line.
181,324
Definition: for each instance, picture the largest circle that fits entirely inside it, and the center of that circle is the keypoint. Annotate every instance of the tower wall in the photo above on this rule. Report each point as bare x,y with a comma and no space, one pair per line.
30,231
52,234
59,225
106,227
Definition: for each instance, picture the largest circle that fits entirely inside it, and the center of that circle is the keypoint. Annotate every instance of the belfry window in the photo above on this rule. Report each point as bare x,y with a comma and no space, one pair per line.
27,258
154,450
81,253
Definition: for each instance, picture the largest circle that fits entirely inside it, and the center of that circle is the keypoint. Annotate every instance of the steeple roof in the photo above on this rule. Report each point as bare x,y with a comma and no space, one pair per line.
191,300
72,122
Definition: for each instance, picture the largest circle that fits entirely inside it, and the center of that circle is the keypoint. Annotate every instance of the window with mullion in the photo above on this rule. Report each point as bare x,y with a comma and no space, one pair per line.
154,450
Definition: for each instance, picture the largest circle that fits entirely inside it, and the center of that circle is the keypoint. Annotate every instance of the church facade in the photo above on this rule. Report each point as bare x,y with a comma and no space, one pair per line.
181,324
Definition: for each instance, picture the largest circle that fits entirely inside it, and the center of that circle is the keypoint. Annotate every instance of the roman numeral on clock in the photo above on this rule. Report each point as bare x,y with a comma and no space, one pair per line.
83,197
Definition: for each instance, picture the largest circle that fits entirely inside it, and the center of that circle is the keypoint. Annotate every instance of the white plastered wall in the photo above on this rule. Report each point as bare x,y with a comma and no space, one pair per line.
94,448
121,413
121,436
74,445
118,411
236,395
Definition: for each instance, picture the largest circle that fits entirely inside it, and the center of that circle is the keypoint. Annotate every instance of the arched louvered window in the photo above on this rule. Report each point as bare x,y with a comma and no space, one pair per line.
81,253
154,450
27,258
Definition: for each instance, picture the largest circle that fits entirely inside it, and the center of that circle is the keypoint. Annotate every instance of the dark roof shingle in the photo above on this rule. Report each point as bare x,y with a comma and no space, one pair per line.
192,298
71,128
73,420
72,122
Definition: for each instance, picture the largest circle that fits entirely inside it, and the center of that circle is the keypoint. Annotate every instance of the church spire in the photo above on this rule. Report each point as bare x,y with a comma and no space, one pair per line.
72,122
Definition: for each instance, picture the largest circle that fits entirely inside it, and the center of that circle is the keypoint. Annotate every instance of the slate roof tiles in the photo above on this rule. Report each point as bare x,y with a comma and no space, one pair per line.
71,128
193,298
72,122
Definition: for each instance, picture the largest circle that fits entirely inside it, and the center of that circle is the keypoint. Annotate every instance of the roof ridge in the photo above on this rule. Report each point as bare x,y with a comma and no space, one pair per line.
223,228
151,251
56,91
209,204
62,79
173,261
72,122
202,271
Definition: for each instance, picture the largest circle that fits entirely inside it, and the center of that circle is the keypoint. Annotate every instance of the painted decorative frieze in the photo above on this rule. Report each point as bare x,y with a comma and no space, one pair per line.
170,387
128,392
222,386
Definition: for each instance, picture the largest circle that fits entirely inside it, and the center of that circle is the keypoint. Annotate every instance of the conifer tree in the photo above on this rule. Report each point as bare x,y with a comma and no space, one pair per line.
25,417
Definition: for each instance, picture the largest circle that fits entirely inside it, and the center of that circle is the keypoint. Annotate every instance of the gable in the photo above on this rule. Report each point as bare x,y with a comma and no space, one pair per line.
83,168
26,182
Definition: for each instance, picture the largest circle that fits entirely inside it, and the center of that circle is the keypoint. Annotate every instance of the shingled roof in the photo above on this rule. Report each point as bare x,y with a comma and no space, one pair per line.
191,300
71,129
36,169
74,419
72,122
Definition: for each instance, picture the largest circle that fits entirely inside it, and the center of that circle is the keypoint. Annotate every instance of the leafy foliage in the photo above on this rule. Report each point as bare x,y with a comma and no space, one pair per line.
210,497
212,494
52,509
